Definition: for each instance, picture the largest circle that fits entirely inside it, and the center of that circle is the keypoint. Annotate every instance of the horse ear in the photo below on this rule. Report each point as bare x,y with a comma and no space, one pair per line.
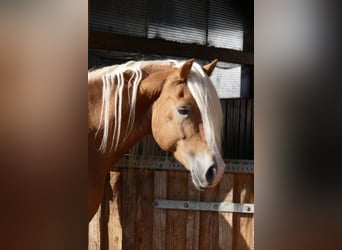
209,68
186,68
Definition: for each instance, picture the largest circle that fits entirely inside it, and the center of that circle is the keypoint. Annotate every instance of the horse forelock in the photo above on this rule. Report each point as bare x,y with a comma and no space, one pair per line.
208,102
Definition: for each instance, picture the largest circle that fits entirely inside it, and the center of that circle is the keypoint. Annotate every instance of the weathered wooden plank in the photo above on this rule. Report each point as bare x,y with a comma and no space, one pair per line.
159,215
226,219
209,222
193,218
243,224
94,232
144,209
100,236
246,225
175,219
128,212
114,224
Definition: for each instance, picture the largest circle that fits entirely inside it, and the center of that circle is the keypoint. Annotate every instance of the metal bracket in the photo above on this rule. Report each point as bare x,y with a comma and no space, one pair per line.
232,166
227,207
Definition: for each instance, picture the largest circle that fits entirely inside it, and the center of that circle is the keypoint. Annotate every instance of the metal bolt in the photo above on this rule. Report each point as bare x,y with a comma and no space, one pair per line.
215,206
186,205
248,208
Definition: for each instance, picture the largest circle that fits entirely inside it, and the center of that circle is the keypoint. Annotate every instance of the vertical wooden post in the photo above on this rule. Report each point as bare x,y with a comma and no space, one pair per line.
209,232
193,218
243,223
176,219
94,232
159,215
144,209
226,219
129,202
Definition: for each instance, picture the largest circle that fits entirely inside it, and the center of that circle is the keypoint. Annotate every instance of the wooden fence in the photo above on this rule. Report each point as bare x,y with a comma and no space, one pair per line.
129,217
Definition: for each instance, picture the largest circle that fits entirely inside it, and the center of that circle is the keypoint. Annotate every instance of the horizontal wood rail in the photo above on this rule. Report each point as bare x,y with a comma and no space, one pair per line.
232,166
114,42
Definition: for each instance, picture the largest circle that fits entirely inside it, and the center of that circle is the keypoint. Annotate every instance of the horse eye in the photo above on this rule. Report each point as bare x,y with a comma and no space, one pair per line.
184,110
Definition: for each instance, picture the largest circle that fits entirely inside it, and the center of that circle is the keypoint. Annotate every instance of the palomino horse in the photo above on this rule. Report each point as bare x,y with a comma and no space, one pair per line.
175,101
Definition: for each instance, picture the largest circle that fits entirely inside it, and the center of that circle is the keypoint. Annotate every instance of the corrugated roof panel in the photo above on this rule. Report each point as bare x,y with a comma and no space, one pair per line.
181,21
225,27
120,17
215,23
206,22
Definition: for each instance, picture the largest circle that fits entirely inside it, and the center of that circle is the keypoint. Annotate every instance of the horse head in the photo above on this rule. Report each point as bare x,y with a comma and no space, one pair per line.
187,121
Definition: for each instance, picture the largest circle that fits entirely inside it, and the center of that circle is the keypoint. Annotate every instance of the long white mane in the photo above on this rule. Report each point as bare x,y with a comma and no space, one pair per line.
200,86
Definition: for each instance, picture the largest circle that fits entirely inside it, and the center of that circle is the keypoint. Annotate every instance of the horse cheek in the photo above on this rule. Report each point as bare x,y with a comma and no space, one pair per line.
163,130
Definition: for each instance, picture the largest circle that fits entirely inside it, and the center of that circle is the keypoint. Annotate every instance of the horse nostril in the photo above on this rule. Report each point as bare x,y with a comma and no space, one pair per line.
211,173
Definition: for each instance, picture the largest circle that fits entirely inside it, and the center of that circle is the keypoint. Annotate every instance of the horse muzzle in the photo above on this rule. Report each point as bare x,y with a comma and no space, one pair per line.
206,175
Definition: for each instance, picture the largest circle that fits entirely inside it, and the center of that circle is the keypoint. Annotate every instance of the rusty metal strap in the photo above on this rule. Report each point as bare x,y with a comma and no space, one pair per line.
232,166
227,207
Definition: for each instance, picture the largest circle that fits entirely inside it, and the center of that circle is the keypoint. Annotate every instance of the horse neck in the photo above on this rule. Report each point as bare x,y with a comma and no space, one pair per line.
149,89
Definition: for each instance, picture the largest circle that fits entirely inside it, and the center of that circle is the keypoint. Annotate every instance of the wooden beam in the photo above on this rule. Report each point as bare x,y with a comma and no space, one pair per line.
110,41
